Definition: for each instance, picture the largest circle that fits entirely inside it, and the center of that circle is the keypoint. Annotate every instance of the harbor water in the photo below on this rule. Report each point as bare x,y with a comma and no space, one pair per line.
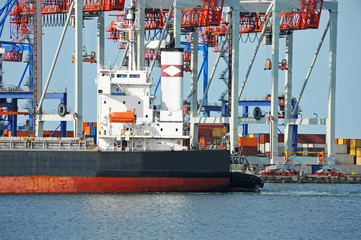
279,211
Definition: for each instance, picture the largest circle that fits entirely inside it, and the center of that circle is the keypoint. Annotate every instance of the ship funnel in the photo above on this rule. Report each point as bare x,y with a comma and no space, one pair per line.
172,79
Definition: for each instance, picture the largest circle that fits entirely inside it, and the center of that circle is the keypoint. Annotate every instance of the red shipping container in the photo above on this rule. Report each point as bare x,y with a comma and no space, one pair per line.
205,132
85,124
311,138
266,138
261,138
249,150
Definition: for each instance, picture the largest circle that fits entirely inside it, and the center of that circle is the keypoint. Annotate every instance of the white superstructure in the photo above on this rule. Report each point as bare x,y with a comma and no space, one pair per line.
127,119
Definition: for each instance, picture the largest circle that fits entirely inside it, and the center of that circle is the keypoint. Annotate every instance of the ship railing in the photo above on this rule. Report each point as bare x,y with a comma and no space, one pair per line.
60,144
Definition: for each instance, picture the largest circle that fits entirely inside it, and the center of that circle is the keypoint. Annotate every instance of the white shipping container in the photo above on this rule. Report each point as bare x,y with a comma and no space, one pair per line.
267,147
341,148
344,159
319,145
261,147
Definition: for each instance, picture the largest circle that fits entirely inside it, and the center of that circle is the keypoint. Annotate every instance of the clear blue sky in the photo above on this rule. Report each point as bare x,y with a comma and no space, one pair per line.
314,100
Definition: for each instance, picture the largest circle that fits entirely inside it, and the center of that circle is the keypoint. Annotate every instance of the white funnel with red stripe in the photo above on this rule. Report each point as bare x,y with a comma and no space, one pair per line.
172,79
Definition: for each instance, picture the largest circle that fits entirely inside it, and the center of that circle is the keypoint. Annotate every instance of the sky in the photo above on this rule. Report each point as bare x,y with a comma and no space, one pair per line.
314,100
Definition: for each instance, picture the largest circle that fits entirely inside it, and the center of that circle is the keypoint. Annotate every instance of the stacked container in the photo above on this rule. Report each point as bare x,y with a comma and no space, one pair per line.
248,146
355,150
90,130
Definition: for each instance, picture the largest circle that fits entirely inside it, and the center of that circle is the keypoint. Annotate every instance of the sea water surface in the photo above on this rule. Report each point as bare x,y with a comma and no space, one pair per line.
279,211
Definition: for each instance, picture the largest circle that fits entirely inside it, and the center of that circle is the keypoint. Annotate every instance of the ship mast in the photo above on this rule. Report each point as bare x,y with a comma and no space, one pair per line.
135,15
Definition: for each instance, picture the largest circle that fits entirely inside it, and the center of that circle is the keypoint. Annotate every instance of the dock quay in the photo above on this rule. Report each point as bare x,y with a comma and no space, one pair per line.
349,179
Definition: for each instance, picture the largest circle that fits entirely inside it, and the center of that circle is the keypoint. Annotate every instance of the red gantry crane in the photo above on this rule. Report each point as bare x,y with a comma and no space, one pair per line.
308,17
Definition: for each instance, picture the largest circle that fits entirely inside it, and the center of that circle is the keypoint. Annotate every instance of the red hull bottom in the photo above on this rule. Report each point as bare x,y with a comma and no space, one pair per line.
48,184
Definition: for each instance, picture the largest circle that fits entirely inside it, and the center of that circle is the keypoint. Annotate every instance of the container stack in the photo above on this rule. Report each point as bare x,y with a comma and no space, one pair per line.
342,155
248,145
211,135
307,144
90,130
355,150
264,144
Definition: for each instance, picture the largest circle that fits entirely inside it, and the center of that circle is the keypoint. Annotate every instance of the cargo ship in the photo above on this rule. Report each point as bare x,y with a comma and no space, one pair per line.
140,146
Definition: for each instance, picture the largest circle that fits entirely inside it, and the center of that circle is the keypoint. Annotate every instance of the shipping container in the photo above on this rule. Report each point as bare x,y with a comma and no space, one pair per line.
261,148
249,150
205,132
358,152
87,130
247,142
341,148
353,151
311,138
93,130
358,160
320,145
344,159
218,132
261,138
355,143
267,147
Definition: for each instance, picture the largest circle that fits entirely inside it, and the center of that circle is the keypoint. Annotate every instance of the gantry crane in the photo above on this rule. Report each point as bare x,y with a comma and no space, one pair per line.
51,13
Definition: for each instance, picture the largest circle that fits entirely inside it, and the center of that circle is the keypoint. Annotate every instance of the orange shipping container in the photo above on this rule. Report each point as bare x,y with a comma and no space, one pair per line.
261,138
247,142
202,141
87,130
